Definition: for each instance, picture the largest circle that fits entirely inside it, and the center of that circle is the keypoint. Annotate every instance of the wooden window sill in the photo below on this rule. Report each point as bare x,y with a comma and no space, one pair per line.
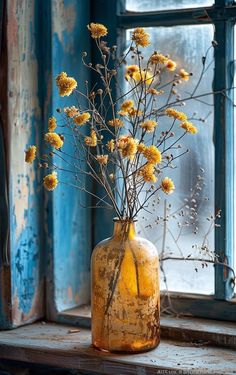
190,329
52,344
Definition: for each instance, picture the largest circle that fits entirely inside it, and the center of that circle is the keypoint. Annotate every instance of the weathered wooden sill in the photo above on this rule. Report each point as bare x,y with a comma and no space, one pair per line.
190,329
52,344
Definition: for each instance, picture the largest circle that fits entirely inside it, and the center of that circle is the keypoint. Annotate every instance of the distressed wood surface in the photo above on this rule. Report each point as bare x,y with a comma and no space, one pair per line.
68,222
21,288
52,344
183,328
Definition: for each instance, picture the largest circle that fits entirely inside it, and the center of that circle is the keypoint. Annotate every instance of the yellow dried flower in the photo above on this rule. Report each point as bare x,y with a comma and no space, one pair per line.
54,139
152,154
171,112
184,75
65,84
149,125
143,76
189,127
71,111
116,122
141,147
111,145
82,118
122,113
157,58
140,37
102,159
167,185
97,30
170,65
154,91
128,146
128,104
122,141
135,112
147,172
52,124
50,181
92,139
30,154
130,70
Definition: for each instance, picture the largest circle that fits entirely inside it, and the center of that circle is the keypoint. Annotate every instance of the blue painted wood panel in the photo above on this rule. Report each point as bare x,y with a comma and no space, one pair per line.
69,223
22,281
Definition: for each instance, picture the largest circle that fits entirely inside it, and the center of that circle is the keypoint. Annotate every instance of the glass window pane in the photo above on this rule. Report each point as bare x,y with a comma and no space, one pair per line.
189,229
151,5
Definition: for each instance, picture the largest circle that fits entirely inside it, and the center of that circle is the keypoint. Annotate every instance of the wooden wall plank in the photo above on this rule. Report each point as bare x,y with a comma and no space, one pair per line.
69,224
23,123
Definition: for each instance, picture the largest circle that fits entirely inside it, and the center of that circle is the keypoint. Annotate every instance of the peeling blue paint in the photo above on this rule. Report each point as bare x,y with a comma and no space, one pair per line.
23,297
71,222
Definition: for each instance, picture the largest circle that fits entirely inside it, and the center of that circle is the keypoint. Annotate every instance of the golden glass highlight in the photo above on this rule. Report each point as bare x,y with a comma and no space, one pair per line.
125,292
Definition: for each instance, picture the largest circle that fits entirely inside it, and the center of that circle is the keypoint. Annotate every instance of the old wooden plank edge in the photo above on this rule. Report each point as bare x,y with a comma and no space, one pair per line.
184,328
52,344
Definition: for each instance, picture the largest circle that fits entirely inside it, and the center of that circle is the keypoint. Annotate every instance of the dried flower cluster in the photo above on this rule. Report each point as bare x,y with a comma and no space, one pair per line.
118,138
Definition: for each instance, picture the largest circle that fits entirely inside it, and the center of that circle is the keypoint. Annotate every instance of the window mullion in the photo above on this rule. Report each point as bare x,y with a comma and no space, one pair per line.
223,136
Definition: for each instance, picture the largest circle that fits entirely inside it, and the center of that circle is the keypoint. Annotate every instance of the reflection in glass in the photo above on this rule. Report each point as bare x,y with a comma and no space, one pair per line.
194,175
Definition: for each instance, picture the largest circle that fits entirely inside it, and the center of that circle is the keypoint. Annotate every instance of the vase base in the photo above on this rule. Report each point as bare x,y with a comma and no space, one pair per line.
126,351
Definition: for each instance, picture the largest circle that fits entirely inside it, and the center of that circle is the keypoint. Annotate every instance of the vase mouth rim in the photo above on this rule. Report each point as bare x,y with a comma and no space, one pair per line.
125,220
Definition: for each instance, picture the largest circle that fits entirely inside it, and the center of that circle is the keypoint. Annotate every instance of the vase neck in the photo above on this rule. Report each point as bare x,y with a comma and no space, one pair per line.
124,229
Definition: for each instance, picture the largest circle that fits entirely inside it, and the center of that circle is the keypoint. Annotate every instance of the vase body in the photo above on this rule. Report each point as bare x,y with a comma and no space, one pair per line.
125,292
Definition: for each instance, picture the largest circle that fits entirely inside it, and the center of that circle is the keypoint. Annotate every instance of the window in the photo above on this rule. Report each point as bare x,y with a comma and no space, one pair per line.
185,230
189,27
48,253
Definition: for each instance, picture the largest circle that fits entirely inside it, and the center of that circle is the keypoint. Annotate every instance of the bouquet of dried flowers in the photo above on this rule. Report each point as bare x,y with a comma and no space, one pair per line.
117,135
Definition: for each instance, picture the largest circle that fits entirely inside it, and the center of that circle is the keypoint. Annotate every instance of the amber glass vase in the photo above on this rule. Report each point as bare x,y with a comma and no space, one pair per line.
125,292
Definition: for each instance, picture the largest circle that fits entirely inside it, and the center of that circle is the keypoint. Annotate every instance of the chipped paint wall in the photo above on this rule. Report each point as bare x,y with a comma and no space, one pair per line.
71,224
23,298
25,122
